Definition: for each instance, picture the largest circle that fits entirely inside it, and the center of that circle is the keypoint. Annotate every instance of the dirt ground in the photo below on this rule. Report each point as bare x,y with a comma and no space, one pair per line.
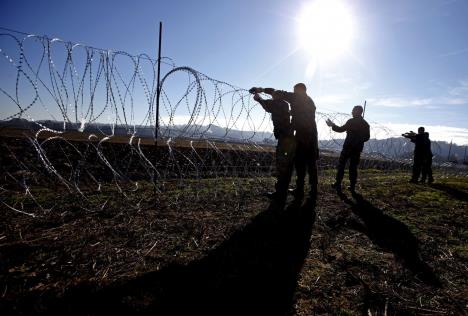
212,247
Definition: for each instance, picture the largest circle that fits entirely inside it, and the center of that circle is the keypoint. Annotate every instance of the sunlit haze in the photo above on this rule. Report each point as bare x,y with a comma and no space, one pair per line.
326,29
408,59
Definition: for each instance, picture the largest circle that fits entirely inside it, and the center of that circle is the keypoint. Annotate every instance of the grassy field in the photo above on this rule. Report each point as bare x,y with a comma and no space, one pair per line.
210,246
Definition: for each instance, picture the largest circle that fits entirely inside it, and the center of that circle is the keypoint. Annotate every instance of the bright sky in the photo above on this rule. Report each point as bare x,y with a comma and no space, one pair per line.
408,59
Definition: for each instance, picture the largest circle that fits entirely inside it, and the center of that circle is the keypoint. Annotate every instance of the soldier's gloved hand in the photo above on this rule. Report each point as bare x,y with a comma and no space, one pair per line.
329,122
257,97
255,90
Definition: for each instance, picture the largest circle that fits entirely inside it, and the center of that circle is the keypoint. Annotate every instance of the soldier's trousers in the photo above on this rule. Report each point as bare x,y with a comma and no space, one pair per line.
427,170
285,152
306,162
418,162
353,156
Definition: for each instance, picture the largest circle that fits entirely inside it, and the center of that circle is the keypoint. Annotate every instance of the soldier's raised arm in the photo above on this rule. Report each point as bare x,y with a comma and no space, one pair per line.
338,129
283,95
266,104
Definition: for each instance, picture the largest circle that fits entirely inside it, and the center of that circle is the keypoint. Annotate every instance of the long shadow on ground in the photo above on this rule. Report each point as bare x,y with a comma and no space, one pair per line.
454,192
254,272
392,235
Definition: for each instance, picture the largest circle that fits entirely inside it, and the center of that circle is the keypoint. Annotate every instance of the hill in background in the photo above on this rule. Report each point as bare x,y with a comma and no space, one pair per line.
393,147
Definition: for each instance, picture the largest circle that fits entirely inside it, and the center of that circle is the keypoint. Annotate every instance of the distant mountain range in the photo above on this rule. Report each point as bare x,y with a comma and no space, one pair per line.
191,131
400,147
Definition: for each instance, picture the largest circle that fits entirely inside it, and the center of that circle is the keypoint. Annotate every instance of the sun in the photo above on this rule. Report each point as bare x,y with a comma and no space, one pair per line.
325,29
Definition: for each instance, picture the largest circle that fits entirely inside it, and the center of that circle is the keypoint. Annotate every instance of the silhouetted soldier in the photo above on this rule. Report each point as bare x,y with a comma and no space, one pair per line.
422,159
303,123
357,130
285,148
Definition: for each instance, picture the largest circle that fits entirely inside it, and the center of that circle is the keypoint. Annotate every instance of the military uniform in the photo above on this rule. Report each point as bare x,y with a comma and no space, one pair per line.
285,148
303,122
358,132
422,161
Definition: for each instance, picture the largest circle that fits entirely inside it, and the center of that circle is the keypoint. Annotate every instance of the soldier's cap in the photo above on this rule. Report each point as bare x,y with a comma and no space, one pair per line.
300,86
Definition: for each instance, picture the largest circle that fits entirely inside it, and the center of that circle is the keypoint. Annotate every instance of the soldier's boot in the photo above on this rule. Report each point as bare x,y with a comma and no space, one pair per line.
430,180
352,188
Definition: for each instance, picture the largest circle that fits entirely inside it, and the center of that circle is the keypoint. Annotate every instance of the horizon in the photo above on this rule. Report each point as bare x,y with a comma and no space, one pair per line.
407,77
381,131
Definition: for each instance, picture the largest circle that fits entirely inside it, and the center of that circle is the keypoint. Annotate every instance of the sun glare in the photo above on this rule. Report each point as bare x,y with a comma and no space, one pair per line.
326,29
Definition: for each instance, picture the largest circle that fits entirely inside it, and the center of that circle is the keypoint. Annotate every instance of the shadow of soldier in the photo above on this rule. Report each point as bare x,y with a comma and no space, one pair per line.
255,271
391,235
454,192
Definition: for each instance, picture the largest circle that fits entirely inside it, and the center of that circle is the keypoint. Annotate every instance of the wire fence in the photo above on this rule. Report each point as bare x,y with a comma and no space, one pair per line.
80,119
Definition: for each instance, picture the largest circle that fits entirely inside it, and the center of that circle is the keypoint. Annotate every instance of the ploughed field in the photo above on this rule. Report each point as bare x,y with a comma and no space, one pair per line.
210,246
86,159
202,241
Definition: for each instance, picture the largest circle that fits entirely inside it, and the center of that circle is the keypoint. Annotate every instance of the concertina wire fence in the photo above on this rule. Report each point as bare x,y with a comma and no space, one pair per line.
82,120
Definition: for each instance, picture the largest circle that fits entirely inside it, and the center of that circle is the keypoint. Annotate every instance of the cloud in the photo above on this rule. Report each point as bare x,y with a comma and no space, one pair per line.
454,53
431,103
455,95
399,102
454,101
437,132
460,90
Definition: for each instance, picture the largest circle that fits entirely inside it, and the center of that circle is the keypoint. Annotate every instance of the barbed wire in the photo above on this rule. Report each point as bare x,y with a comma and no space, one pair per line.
80,118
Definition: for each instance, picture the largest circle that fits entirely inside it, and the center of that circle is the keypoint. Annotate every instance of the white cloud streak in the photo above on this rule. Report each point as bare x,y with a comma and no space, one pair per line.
437,132
455,53
457,95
